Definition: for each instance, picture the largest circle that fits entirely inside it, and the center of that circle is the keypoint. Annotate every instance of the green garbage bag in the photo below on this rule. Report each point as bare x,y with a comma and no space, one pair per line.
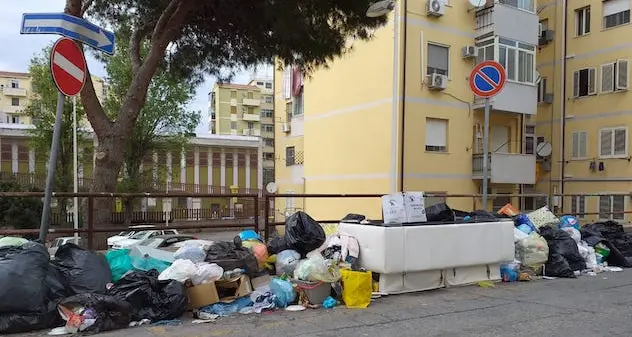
120,263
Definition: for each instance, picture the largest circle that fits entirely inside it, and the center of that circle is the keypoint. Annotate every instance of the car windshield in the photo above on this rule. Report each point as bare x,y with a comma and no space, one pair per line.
57,243
152,243
139,235
124,233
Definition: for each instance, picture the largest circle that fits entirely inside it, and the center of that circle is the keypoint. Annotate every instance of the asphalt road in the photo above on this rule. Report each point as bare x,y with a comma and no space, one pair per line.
590,306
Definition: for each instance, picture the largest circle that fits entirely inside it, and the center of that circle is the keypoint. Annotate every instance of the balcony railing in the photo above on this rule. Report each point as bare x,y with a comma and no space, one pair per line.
251,117
17,92
505,168
251,102
484,18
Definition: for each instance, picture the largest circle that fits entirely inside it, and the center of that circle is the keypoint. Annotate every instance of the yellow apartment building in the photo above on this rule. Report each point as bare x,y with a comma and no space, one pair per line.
209,164
248,110
397,114
583,61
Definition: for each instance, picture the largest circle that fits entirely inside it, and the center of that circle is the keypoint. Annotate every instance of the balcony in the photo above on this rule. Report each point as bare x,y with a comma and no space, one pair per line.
251,102
251,132
507,21
506,168
12,109
514,98
16,92
251,118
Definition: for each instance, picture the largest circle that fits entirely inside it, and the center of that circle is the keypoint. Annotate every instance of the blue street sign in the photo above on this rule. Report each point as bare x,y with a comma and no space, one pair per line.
68,26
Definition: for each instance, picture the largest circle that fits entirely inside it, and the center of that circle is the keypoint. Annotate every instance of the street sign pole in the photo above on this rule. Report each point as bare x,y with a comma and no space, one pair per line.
75,189
485,153
487,80
52,165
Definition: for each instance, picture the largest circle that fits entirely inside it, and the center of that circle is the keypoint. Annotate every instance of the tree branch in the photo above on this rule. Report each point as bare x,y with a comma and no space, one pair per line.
135,43
164,19
73,7
86,5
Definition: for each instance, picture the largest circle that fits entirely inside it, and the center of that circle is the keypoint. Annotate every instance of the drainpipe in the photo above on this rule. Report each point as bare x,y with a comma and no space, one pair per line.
563,101
403,99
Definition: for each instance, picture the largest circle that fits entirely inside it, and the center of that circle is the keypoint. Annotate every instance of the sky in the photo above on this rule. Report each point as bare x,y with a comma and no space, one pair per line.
19,49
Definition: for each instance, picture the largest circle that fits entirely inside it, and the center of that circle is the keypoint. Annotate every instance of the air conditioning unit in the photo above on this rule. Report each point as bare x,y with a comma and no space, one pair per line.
547,98
435,8
286,127
546,36
437,81
469,52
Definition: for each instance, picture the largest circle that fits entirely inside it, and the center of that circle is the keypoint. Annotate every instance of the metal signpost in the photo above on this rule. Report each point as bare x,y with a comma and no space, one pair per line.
487,80
69,70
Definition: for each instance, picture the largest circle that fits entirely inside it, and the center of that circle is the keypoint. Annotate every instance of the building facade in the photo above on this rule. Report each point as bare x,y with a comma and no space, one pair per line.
267,126
584,105
15,89
396,113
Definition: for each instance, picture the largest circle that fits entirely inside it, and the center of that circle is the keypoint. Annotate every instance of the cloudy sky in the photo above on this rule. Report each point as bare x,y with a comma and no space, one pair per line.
19,49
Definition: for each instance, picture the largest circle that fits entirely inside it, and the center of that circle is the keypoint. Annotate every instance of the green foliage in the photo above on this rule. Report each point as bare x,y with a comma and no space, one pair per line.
163,123
41,110
19,212
221,35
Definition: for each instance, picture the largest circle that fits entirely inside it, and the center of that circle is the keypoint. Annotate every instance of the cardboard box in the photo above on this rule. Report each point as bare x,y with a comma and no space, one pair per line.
202,295
232,289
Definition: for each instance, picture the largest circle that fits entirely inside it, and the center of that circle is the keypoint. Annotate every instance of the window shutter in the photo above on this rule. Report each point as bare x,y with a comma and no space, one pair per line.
620,140
615,6
604,207
582,144
606,143
575,145
576,84
436,132
592,81
607,77
287,83
618,205
622,74
582,205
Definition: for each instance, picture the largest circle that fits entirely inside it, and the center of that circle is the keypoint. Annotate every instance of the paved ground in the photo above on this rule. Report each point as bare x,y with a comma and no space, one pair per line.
585,307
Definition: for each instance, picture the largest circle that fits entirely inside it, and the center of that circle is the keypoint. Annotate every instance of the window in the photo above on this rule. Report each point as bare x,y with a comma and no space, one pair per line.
213,116
578,147
438,59
298,104
541,89
267,99
233,94
250,95
15,84
527,5
533,203
584,82
251,125
267,113
529,139
104,90
233,110
269,142
616,13
251,110
518,59
15,101
233,125
613,142
614,76
268,175
436,135
500,201
260,84
268,85
268,156
578,206
289,156
582,21
610,204
13,119
485,50
267,128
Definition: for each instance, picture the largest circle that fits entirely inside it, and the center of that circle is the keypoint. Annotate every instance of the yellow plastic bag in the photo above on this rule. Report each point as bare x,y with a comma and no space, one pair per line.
357,287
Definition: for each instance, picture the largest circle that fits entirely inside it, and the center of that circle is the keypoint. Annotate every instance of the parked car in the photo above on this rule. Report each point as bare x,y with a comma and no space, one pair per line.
164,241
127,234
140,236
60,242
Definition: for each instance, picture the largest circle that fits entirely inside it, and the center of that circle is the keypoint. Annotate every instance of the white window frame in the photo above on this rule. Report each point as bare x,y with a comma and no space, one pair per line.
612,139
523,5
576,153
440,45
519,49
435,148
617,84
621,11
578,205
582,26
576,79
611,207
529,135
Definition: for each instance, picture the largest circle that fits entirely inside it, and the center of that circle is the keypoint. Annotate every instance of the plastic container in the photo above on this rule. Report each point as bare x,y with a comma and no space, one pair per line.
316,292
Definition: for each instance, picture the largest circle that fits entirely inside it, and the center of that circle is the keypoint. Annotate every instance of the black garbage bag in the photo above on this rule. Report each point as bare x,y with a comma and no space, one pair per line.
609,233
353,218
229,256
439,212
83,271
277,245
560,242
557,266
150,298
55,288
47,318
111,313
23,272
303,234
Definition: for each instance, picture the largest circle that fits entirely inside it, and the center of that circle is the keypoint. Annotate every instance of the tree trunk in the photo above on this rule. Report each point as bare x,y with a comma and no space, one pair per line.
129,208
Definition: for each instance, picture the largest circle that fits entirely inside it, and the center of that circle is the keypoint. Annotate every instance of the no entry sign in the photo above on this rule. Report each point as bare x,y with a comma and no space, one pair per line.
68,67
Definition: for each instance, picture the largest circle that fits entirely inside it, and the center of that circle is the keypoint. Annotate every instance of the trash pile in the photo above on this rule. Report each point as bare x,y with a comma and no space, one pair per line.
88,293
559,247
